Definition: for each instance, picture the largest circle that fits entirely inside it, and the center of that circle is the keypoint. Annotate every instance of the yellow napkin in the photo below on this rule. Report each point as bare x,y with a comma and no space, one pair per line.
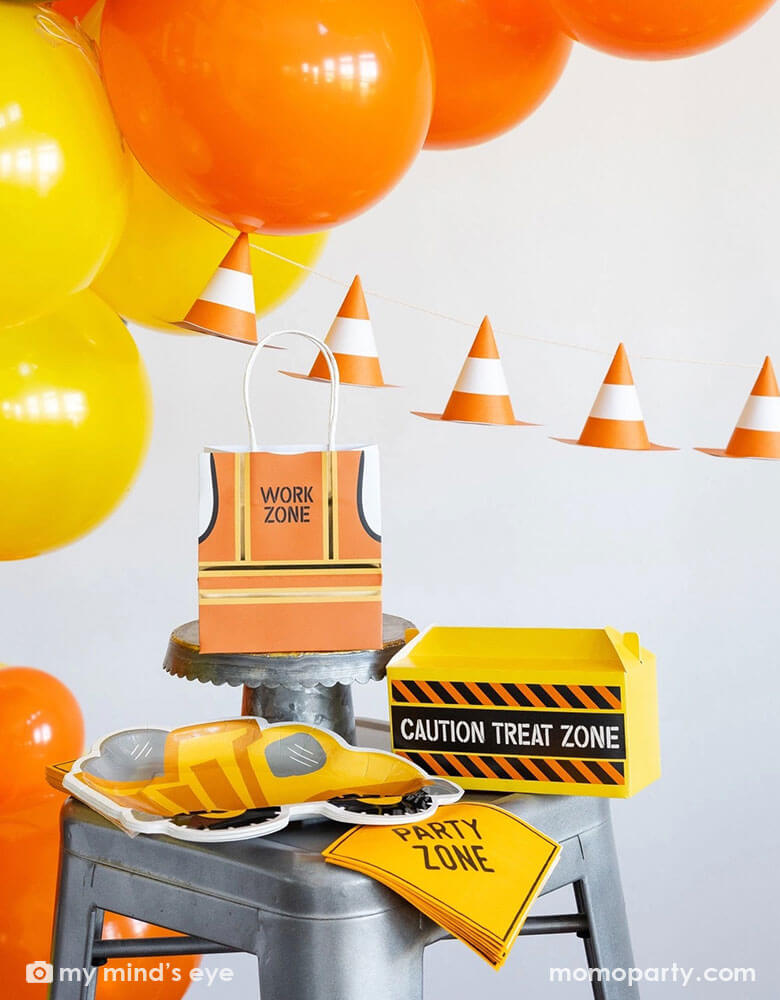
475,870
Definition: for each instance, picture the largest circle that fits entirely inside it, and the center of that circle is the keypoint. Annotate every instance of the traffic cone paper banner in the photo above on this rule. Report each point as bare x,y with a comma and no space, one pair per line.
476,870
481,395
615,419
757,434
226,306
351,338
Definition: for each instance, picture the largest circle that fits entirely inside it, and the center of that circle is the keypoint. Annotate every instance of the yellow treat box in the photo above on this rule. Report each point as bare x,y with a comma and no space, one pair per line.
558,711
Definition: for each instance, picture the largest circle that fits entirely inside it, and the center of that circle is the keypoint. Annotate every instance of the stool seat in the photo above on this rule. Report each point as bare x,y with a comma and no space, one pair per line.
284,872
275,897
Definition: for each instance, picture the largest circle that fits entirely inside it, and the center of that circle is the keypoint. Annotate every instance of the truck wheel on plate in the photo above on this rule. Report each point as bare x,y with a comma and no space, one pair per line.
225,821
410,804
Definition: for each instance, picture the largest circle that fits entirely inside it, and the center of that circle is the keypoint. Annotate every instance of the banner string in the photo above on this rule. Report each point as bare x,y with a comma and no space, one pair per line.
473,324
373,293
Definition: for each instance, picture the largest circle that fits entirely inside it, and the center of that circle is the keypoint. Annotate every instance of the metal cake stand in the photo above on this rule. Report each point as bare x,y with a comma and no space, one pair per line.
284,687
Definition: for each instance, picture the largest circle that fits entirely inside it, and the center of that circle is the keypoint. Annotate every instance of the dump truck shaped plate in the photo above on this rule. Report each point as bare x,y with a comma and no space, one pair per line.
238,778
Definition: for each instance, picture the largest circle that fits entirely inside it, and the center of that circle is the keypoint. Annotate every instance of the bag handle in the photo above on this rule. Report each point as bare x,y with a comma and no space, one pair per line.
333,368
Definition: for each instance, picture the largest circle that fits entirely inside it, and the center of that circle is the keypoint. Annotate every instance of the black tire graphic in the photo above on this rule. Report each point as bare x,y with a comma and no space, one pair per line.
212,821
411,804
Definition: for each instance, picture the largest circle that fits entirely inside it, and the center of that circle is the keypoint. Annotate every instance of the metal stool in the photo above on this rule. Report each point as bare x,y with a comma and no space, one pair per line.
319,932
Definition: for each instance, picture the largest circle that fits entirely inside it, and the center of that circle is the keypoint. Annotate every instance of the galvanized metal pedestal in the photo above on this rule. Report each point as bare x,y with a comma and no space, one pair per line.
283,687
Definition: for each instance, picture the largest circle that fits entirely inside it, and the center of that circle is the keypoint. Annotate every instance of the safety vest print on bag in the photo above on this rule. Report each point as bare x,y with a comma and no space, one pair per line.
290,551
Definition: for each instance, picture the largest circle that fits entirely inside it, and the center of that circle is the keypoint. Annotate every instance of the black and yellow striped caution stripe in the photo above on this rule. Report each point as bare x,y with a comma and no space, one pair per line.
495,694
552,769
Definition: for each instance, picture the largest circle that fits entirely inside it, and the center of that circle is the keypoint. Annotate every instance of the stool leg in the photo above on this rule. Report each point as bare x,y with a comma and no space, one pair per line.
599,896
379,956
77,922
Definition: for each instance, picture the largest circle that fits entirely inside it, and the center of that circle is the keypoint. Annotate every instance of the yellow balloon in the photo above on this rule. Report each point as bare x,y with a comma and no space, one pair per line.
167,255
75,415
63,172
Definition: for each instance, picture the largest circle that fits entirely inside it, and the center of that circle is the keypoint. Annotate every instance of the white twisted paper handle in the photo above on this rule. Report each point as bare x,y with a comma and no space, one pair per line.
326,352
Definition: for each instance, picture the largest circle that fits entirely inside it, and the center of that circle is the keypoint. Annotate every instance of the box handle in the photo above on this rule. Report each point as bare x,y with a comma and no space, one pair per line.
631,642
333,368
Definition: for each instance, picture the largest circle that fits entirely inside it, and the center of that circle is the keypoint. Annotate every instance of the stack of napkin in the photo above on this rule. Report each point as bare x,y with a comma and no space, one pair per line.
475,869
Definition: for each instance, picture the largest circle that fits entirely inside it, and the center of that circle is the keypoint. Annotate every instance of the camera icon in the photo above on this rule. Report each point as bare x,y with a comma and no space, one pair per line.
40,972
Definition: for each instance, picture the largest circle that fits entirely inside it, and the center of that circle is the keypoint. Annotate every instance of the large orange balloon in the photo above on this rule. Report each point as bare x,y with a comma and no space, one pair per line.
656,29
491,72
29,853
73,9
281,117
41,724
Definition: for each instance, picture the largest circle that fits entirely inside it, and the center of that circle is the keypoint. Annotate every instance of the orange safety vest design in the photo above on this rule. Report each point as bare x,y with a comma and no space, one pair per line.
290,555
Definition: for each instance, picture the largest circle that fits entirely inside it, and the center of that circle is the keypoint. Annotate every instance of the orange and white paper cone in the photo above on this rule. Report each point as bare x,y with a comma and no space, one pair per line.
351,339
226,306
616,419
757,434
481,394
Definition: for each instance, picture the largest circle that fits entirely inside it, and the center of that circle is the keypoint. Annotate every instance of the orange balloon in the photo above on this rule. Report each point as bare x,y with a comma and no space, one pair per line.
42,724
656,29
281,117
142,978
491,72
73,9
29,854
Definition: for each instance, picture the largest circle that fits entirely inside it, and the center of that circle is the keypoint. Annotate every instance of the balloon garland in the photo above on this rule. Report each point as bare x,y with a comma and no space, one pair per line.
278,120
167,254
266,116
492,70
75,415
63,173
656,29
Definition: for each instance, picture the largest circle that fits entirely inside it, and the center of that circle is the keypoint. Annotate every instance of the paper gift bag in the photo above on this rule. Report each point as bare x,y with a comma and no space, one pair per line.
289,553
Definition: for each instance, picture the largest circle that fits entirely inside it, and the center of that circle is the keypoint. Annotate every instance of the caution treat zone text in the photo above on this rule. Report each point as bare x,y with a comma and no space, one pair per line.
552,711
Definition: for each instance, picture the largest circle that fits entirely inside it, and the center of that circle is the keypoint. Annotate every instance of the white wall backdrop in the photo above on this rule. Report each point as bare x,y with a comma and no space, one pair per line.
640,203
